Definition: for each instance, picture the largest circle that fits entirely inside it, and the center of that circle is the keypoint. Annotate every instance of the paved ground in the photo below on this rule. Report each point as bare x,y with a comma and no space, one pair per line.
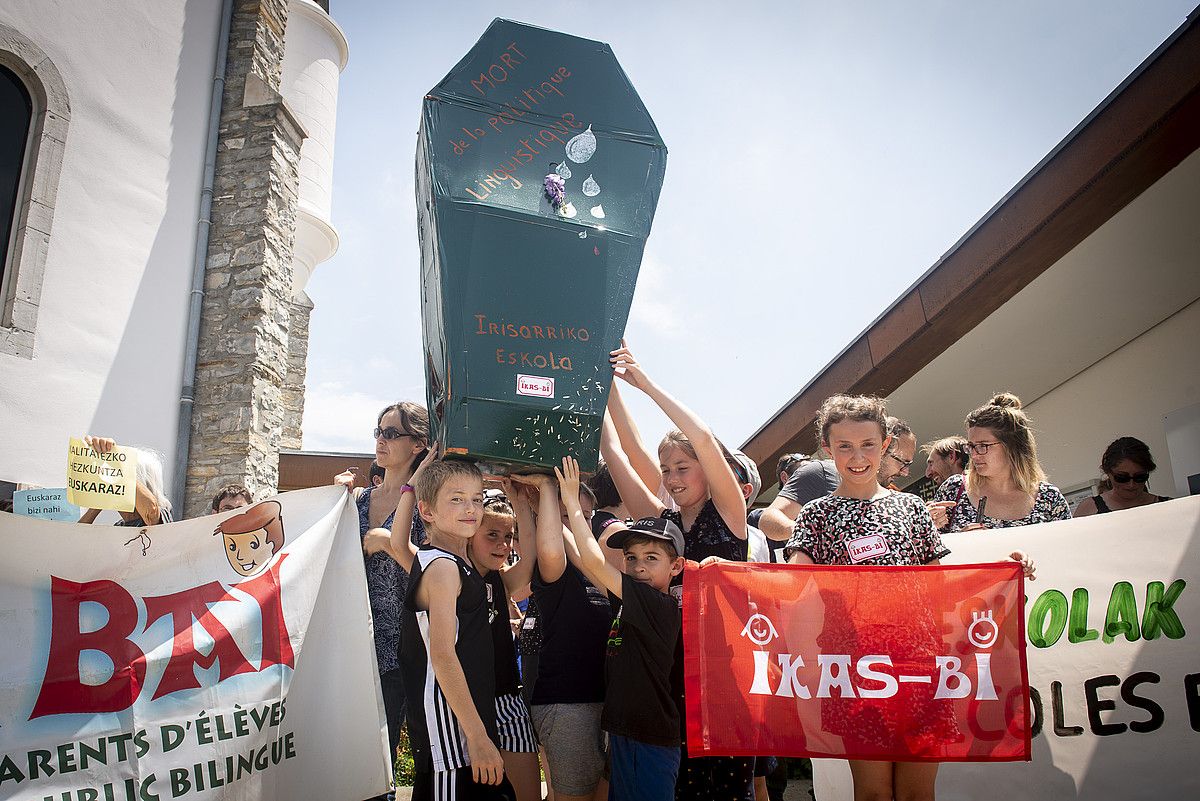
796,791
799,790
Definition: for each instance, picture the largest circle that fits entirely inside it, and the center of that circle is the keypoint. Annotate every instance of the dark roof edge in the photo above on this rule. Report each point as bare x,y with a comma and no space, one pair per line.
291,452
1189,20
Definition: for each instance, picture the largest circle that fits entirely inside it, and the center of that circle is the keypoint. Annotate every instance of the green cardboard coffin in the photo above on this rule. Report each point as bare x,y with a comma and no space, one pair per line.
538,172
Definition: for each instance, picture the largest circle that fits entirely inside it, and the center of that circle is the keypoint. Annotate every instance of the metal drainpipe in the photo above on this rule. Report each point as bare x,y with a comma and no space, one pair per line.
187,393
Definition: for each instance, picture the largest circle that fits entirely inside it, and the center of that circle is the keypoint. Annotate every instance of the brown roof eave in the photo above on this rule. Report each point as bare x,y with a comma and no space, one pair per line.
1145,128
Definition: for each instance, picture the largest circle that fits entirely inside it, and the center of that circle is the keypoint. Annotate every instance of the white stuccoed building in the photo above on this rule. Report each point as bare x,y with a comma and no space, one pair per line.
123,311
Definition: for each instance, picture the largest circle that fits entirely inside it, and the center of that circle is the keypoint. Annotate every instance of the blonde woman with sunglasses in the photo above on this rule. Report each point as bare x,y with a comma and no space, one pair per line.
1004,485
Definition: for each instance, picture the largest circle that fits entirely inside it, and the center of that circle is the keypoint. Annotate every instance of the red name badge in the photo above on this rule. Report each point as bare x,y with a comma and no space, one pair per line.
868,547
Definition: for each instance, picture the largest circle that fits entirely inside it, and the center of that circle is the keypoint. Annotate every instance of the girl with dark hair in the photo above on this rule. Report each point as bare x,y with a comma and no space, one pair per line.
1005,484
1127,465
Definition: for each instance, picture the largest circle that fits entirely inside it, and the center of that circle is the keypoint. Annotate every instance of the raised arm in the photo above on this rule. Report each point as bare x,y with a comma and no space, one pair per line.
643,461
145,503
346,479
722,483
551,557
517,576
440,586
639,498
401,546
591,559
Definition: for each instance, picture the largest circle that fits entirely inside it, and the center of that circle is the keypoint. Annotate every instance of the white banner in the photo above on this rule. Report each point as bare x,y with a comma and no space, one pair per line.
1112,623
227,657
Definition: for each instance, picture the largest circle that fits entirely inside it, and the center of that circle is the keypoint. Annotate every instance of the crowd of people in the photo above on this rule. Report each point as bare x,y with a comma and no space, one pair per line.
532,627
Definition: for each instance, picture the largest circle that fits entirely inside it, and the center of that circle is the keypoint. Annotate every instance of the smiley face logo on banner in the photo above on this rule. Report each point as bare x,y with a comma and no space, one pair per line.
759,629
983,631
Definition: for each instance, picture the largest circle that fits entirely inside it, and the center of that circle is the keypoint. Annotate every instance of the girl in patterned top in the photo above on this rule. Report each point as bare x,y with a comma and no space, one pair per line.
696,471
1005,485
864,523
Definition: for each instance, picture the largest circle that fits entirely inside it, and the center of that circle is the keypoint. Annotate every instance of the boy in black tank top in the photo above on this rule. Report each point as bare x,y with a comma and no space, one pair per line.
446,655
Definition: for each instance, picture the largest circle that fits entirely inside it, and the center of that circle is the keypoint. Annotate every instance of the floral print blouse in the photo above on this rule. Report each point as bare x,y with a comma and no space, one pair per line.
1048,504
387,584
895,529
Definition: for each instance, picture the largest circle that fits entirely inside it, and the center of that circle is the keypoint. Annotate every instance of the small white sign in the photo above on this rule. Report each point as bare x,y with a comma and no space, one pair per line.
535,386
868,547
48,504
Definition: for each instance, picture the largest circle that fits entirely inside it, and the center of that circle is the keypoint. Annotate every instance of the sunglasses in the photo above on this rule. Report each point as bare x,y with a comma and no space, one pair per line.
390,433
903,462
1125,478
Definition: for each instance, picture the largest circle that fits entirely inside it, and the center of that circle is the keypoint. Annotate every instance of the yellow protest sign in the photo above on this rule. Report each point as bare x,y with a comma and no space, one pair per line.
101,480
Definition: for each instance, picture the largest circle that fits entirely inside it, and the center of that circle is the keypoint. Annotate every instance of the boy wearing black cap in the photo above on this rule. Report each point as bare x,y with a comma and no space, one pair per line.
640,715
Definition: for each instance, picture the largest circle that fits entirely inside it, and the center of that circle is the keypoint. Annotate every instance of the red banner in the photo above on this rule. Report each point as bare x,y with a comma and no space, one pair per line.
858,662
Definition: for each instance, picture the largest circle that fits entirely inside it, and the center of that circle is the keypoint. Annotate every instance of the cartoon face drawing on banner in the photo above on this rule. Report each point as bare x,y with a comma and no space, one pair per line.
759,629
253,537
983,630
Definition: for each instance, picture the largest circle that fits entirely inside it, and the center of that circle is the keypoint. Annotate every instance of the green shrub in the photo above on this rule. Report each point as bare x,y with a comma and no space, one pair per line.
405,768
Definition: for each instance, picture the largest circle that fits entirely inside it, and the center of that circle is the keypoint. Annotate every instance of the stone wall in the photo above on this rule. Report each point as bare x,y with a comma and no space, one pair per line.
242,365
293,390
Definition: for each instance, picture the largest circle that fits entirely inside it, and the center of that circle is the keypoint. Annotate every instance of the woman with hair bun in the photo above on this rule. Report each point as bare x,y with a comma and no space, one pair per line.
1127,465
1005,484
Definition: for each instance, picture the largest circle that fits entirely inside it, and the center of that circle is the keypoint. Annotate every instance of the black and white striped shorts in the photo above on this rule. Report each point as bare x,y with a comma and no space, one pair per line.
514,726
458,785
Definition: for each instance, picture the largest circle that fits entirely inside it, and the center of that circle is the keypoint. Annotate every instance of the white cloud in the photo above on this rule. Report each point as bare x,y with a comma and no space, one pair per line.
655,306
381,364
339,420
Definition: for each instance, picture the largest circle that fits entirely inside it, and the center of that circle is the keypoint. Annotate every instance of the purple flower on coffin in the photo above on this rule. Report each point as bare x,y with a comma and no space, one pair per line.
556,189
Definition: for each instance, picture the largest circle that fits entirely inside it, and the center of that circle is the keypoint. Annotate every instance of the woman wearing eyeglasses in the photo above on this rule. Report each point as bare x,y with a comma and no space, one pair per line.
401,438
1127,464
1005,484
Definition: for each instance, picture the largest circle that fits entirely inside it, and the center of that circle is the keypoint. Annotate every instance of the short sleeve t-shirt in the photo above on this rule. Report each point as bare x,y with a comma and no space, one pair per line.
638,702
601,521
894,529
757,545
774,546
811,480
573,619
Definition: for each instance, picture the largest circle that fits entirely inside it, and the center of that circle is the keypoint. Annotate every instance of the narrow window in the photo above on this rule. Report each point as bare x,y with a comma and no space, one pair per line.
16,111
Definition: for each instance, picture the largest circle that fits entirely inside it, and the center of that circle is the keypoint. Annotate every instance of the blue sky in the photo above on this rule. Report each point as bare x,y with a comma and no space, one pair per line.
822,157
